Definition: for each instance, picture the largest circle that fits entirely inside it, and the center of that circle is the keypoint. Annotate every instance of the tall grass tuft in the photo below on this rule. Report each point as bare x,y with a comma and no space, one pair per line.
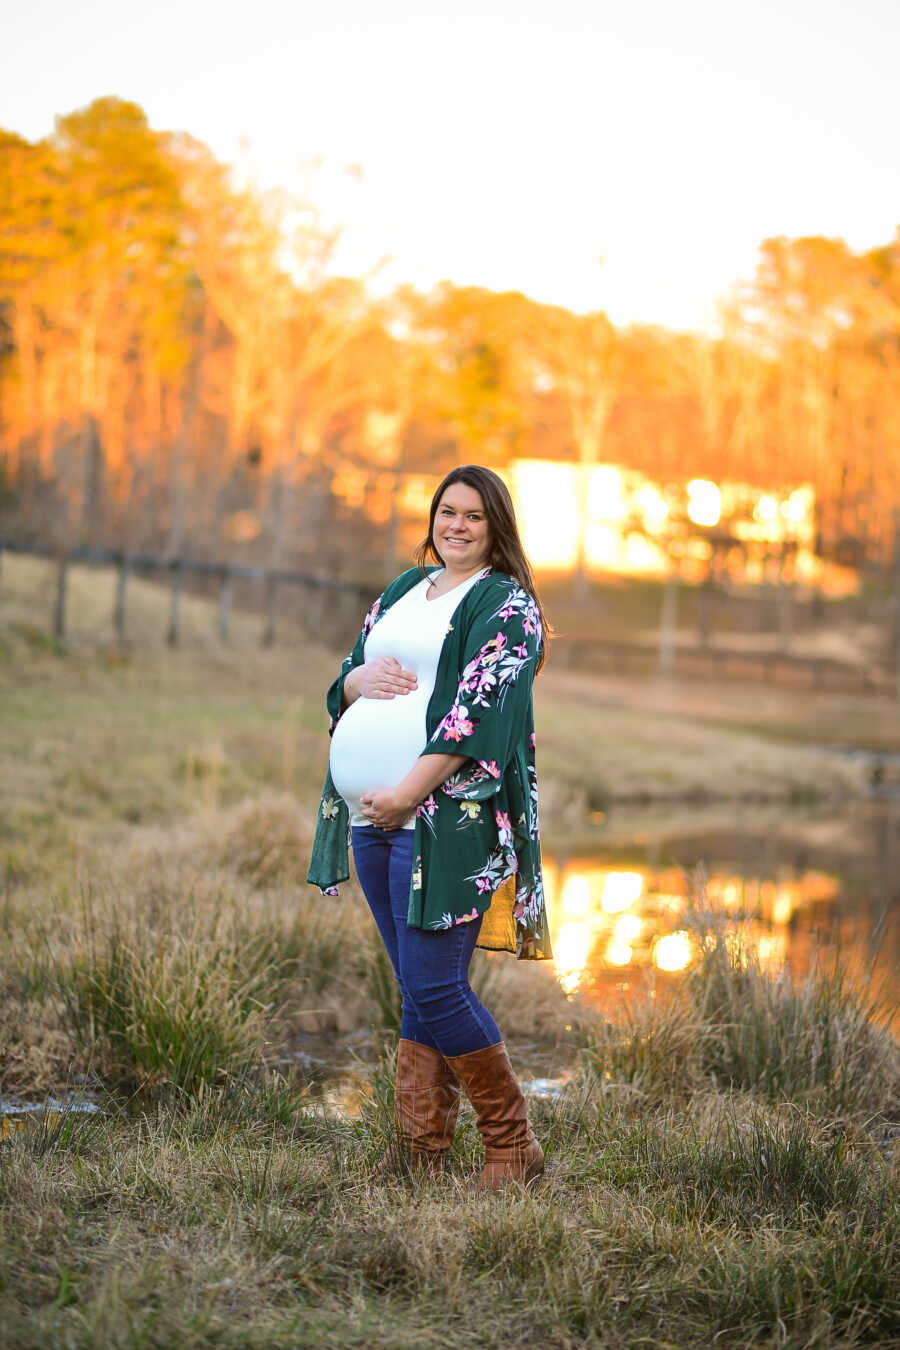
187,1012
174,984
820,1040
374,1125
650,1047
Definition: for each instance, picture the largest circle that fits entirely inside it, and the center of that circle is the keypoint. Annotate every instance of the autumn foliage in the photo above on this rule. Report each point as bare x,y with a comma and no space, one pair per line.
180,367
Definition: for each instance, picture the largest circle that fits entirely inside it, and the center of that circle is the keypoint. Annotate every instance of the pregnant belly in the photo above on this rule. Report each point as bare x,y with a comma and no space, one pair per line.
375,744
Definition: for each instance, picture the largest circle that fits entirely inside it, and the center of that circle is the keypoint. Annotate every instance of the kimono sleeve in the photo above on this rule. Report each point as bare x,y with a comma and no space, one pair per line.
335,696
490,713
329,861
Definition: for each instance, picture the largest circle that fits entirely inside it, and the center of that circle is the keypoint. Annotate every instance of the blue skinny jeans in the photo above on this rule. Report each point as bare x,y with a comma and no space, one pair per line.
432,967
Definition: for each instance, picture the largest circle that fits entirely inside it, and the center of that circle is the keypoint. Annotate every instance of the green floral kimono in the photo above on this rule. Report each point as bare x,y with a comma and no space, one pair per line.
476,846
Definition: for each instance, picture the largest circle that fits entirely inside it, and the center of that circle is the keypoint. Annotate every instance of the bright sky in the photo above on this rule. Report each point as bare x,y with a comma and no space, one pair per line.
622,156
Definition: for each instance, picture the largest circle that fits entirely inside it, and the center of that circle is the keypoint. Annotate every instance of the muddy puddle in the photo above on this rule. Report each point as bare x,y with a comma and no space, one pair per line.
19,1115
339,1069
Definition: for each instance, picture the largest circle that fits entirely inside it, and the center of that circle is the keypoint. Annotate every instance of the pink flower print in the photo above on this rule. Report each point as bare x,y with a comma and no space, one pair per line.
428,807
371,617
504,826
490,766
531,740
457,723
464,721
521,650
483,884
467,918
493,650
518,909
507,611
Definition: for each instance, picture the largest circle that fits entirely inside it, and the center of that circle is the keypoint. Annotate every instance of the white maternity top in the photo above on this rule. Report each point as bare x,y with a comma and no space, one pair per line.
378,740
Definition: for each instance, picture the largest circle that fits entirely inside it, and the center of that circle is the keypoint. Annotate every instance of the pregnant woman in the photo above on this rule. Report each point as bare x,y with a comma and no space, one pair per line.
432,767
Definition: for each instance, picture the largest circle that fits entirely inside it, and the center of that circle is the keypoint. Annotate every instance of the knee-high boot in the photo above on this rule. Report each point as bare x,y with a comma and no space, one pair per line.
511,1151
426,1105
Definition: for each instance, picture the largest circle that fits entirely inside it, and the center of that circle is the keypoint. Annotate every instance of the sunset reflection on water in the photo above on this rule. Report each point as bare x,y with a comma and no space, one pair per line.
608,921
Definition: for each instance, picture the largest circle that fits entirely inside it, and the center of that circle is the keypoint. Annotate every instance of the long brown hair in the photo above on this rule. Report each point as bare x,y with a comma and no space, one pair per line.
506,552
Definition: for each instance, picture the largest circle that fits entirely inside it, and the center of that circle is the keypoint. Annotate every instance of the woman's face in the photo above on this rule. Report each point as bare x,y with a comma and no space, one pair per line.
461,533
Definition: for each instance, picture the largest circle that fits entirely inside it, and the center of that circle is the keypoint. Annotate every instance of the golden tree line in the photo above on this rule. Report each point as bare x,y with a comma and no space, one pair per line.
180,367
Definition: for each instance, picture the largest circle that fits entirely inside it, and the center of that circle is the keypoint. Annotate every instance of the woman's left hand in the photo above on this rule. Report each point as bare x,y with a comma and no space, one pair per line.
383,809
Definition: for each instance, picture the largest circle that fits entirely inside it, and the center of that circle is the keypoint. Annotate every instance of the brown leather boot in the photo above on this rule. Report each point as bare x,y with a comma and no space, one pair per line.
511,1151
426,1104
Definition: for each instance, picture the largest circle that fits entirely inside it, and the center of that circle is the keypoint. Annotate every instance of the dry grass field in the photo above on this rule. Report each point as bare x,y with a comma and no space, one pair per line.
724,1163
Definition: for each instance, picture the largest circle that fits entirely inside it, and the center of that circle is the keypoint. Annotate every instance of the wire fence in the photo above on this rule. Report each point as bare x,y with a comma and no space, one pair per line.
332,608
324,601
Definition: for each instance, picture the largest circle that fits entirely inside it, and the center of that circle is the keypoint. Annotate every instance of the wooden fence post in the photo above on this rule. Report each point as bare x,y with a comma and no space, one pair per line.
121,585
59,610
271,590
667,621
174,597
351,609
785,603
225,605
765,596
704,603
314,611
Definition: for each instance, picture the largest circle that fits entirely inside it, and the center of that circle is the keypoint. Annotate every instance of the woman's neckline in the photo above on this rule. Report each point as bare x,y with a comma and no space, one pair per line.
432,599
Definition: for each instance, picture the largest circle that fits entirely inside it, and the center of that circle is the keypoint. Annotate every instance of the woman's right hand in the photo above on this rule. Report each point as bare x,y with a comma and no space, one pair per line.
382,678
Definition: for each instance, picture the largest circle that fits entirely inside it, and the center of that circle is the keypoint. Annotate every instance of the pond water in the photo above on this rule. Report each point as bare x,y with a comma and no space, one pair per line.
17,1115
807,883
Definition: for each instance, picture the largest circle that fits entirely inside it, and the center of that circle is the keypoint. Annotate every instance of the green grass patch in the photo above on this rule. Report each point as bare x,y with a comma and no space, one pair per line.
215,1223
